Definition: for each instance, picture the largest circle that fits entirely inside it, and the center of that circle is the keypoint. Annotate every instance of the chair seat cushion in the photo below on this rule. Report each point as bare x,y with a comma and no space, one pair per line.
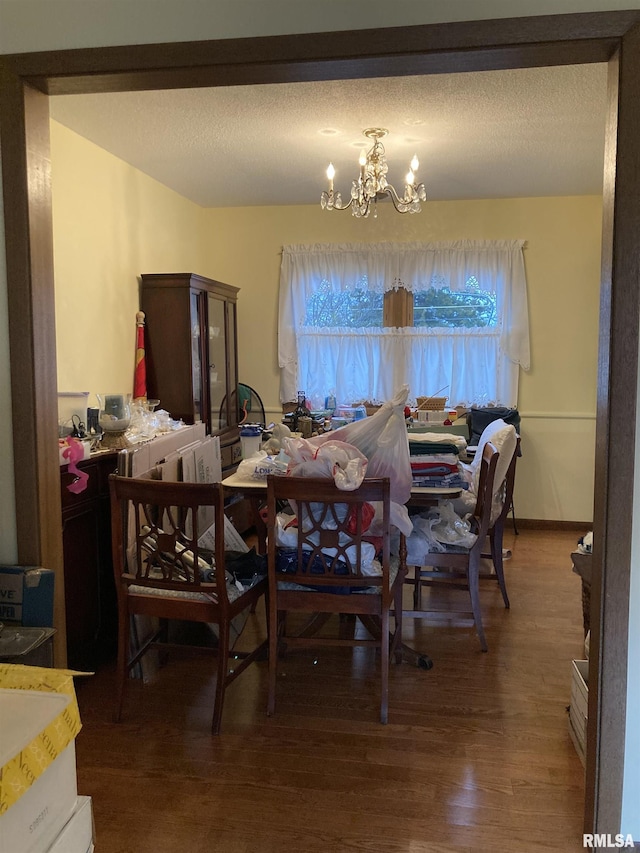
394,566
233,593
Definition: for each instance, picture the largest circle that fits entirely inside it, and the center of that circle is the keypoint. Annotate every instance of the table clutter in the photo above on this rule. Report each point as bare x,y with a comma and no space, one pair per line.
116,423
434,459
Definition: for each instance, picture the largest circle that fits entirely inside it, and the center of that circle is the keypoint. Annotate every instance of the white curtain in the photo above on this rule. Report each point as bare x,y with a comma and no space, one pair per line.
478,365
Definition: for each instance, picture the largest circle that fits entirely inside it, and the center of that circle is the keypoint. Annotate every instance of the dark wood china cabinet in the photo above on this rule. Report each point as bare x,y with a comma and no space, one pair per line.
191,352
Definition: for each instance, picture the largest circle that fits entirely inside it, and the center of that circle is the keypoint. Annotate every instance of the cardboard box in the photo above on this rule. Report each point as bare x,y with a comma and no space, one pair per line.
578,710
77,835
38,788
26,596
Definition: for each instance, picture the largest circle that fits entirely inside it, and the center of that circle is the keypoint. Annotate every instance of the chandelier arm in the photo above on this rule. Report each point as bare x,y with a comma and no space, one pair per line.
343,206
398,202
329,199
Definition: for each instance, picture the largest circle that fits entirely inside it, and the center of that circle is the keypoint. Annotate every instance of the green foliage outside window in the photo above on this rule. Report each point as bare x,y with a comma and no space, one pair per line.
441,307
436,307
355,309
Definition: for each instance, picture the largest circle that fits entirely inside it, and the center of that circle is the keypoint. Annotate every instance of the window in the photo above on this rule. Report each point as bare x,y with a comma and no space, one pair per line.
357,308
362,320
439,308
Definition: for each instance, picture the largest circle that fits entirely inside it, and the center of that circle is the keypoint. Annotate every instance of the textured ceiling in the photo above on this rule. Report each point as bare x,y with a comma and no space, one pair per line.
493,134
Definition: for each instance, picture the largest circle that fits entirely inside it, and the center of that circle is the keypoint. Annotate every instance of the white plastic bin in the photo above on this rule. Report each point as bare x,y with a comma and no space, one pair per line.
38,788
77,835
71,403
32,822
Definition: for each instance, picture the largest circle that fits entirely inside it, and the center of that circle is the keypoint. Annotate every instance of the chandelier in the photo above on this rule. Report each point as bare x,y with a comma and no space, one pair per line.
372,183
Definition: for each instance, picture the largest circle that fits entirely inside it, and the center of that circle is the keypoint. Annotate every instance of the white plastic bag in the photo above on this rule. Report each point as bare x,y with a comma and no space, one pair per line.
260,466
399,517
286,531
382,438
286,535
342,462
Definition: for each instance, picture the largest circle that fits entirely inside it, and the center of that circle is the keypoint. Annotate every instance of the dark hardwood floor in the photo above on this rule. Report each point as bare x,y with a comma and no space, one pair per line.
476,755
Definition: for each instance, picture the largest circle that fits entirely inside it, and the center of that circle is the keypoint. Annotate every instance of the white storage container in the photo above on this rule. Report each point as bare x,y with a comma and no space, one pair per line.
578,710
38,788
71,403
77,834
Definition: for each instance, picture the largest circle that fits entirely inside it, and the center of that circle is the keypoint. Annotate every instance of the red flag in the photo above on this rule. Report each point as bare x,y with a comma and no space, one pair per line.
140,375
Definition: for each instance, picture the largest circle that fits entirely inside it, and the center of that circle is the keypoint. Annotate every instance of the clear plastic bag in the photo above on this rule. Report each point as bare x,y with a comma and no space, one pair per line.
450,528
422,541
434,531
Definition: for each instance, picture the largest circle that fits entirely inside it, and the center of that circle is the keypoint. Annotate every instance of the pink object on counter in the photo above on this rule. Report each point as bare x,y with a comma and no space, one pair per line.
74,453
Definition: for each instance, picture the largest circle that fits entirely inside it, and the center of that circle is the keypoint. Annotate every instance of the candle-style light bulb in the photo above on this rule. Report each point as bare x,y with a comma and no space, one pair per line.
409,177
363,158
414,163
330,175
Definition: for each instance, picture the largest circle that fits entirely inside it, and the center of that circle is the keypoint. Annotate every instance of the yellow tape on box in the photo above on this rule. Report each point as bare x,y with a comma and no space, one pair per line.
22,769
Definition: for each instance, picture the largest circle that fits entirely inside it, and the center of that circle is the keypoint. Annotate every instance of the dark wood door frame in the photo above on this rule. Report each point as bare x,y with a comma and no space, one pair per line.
26,81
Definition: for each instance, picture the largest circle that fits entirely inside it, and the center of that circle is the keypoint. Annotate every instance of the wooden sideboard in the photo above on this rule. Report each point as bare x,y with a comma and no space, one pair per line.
89,588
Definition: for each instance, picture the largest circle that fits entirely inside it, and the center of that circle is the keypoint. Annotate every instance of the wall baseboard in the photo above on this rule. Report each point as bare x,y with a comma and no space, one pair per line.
550,524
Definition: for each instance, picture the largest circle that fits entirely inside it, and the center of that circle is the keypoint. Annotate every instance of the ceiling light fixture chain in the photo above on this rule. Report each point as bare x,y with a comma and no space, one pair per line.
372,183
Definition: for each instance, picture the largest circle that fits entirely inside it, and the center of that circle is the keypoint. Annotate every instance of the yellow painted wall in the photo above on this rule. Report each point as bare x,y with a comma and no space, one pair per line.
112,223
562,258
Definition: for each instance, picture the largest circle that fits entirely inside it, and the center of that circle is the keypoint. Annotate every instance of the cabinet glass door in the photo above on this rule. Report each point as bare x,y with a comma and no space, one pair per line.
233,409
217,363
196,354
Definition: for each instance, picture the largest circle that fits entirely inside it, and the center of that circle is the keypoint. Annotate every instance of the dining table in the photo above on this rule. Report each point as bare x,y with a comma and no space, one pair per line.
255,491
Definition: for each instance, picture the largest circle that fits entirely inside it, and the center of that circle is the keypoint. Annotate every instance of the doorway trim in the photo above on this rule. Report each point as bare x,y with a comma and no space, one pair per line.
26,81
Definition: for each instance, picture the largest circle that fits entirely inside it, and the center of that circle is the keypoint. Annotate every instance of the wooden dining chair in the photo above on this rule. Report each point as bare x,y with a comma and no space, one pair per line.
458,566
327,571
161,571
495,535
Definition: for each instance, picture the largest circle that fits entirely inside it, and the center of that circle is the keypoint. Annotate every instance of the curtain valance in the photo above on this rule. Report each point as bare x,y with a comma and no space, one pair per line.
385,266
